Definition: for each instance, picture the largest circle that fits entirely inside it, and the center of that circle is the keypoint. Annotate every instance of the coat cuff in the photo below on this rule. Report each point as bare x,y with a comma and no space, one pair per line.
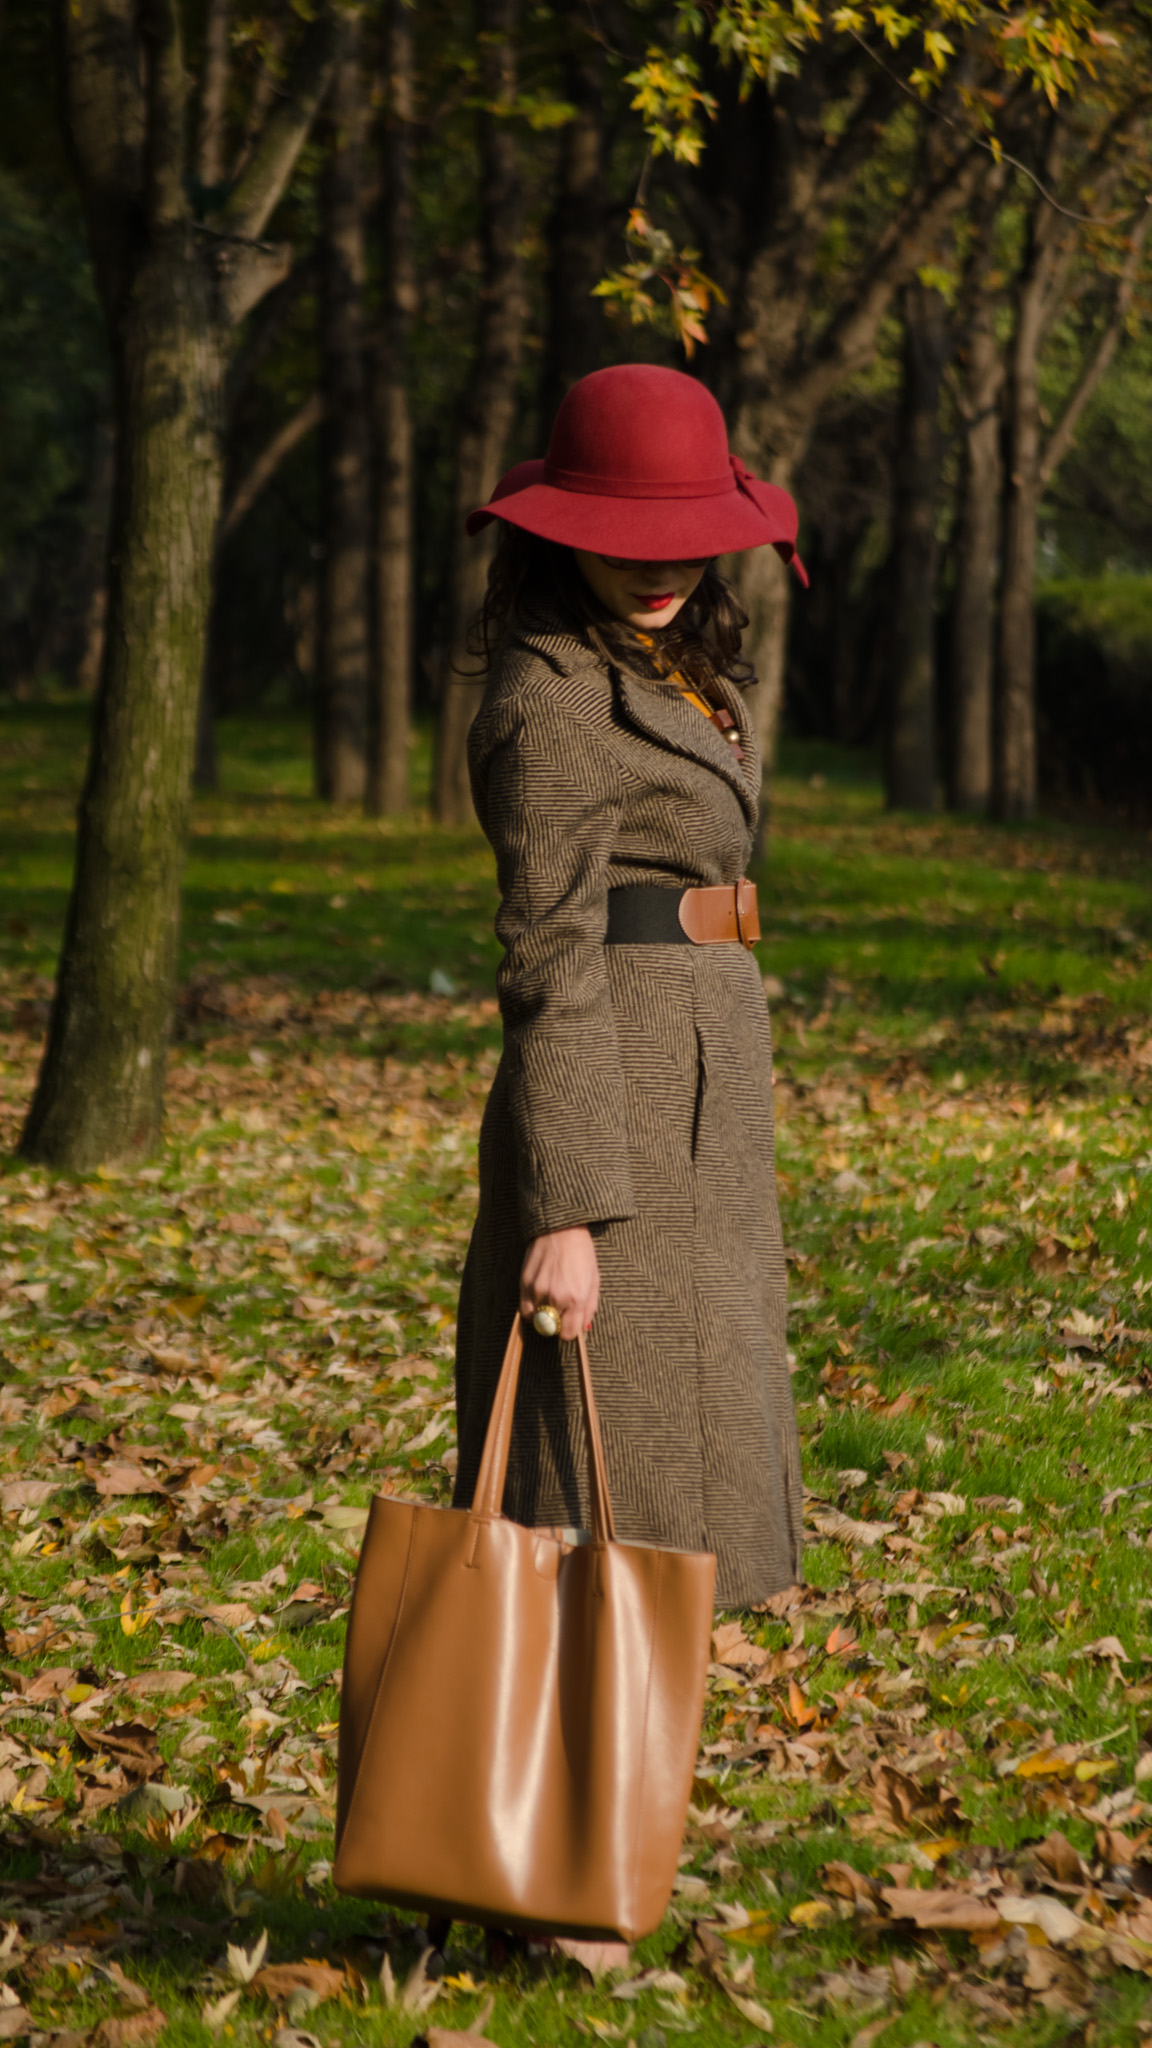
574,1195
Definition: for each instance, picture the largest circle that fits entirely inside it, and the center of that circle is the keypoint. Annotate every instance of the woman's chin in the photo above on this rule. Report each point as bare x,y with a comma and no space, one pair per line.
642,621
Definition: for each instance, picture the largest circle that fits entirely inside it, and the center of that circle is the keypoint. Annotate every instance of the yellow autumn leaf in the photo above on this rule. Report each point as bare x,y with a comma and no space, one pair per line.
1043,1763
132,1624
187,1306
944,1847
759,1931
270,1647
812,1913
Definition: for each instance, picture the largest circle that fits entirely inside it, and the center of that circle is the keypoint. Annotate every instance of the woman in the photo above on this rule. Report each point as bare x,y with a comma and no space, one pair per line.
626,1155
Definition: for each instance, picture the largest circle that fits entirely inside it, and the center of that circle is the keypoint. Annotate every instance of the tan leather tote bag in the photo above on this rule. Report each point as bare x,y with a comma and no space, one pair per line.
519,1717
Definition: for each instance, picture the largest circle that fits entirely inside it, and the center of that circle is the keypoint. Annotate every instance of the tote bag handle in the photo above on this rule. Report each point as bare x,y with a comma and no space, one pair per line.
488,1498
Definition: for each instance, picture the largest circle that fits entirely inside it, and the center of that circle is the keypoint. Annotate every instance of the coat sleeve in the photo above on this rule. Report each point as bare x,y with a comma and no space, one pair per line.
552,803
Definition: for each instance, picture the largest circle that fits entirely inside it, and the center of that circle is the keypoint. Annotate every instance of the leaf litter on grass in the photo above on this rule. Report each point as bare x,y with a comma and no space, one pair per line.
920,1781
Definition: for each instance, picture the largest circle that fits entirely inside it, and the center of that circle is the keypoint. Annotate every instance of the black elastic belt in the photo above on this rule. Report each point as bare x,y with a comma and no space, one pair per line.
642,916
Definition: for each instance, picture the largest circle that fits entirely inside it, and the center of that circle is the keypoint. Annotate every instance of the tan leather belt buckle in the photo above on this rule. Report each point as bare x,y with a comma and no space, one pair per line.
715,917
747,913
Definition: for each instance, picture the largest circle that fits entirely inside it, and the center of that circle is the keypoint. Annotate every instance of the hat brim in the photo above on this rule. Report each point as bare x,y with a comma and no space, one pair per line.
641,529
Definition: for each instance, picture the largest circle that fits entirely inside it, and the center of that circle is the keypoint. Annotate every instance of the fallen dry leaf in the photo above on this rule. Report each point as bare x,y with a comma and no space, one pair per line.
46,1685
1060,1982
278,1981
130,1744
731,1646
846,1883
218,2010
117,1478
1060,1859
133,2030
853,1986
942,1908
144,1682
1038,1910
656,1979
244,1963
26,1493
839,1528
452,2037
1105,1648
750,2009
901,1801
597,1957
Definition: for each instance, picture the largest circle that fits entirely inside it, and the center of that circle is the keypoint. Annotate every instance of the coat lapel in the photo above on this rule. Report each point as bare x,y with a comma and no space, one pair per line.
659,711
664,715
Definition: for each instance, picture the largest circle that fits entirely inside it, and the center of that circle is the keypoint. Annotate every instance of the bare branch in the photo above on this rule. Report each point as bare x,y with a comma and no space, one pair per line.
262,471
1064,433
254,198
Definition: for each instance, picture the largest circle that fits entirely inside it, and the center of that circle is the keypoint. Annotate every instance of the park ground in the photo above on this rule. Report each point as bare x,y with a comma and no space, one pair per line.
923,1808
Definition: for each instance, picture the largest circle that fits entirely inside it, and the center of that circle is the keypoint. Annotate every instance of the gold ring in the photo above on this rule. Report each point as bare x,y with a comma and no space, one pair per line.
547,1320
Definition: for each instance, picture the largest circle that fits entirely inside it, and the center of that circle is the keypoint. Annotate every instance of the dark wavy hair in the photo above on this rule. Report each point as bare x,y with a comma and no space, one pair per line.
537,580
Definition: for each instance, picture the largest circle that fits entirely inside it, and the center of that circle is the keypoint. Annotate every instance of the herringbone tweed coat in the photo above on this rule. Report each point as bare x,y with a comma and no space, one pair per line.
634,1095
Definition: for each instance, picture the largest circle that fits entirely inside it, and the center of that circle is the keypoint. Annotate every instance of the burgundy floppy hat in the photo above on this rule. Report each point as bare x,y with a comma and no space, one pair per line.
638,466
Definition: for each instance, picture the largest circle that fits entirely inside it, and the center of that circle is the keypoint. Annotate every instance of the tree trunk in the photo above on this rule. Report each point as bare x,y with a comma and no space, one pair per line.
214,93
910,767
490,398
1031,467
92,570
171,297
206,758
100,1091
341,704
576,233
210,152
765,591
1014,766
771,177
394,648
977,546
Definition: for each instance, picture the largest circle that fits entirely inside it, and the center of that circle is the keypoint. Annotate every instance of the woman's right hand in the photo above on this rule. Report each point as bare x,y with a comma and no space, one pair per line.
561,1269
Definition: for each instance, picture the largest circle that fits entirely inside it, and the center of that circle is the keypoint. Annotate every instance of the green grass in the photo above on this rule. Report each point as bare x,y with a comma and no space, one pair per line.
259,1325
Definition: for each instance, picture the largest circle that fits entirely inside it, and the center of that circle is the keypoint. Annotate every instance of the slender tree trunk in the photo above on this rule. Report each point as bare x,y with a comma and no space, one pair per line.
765,591
576,234
210,154
214,92
977,545
490,398
1014,767
911,737
1031,467
206,757
341,705
100,1091
394,640
172,296
92,574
